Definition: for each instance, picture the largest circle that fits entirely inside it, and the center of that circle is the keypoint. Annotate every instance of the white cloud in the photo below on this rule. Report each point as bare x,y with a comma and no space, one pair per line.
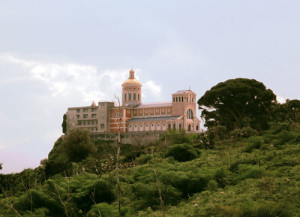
281,99
69,79
151,88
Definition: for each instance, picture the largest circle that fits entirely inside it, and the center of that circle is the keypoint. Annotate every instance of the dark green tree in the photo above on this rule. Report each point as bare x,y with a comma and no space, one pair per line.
237,103
286,112
77,145
293,110
64,124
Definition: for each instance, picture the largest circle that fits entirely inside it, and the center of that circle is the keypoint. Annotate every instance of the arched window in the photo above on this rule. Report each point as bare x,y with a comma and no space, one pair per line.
189,114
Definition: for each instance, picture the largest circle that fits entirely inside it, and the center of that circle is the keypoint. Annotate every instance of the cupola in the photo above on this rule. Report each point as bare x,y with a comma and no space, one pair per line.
131,91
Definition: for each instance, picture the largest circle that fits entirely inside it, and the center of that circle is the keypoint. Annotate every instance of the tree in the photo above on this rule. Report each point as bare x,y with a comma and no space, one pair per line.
77,145
0,166
289,111
64,124
293,110
237,103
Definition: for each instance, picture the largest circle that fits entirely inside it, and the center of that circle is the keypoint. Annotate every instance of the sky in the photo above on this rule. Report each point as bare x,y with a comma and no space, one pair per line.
59,54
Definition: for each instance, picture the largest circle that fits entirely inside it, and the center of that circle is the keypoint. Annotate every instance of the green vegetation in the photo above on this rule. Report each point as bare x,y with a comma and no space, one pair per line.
253,176
237,103
246,168
64,124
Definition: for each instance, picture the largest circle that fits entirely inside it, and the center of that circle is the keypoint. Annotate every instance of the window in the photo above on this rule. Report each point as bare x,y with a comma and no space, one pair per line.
138,96
125,96
169,126
102,126
134,96
174,126
94,115
173,99
78,110
117,114
77,116
93,110
85,116
85,110
129,96
181,99
189,114
179,126
189,129
197,127
176,99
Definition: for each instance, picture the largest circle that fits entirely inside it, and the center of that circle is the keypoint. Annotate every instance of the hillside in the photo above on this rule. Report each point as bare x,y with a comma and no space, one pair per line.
241,174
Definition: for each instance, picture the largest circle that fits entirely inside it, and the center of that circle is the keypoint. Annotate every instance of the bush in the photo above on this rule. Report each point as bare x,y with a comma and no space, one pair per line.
103,192
212,185
34,199
254,143
285,136
77,145
221,178
188,185
245,132
183,152
105,209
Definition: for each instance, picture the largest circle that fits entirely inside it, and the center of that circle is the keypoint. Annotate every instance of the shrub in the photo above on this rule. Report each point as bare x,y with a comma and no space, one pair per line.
245,132
285,136
105,209
212,185
183,152
221,177
188,185
103,192
254,143
77,145
34,199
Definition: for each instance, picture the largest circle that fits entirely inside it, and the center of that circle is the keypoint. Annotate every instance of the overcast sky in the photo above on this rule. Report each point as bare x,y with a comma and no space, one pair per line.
57,54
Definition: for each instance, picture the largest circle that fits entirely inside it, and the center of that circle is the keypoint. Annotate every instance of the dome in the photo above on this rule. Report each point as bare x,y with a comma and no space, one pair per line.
131,80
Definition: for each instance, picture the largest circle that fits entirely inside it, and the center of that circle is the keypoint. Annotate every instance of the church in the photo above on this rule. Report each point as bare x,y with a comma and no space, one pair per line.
134,116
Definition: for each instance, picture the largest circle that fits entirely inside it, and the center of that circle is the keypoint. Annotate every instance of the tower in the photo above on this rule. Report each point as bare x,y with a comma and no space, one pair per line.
131,91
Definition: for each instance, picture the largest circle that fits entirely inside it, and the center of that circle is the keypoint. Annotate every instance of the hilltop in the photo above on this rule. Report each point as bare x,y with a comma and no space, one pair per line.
242,174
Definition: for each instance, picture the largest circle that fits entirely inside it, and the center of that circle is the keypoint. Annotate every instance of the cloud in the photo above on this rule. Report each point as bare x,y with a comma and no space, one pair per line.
69,79
151,88
281,99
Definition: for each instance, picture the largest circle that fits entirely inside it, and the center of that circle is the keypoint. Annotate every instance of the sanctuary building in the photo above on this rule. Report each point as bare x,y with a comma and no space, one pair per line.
133,116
